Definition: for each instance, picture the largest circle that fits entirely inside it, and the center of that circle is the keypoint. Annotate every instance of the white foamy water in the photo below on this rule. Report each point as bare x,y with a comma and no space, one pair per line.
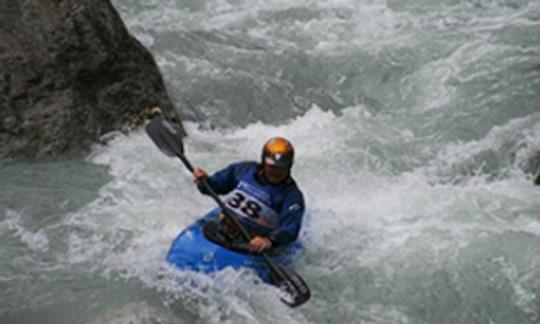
416,128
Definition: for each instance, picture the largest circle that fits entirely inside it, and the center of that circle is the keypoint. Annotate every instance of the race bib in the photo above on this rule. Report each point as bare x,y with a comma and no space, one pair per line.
247,205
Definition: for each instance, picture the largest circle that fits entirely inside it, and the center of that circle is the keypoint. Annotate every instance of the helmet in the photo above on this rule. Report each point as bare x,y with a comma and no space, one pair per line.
278,151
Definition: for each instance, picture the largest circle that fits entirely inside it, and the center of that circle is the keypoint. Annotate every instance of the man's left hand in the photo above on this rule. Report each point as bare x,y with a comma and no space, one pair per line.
259,244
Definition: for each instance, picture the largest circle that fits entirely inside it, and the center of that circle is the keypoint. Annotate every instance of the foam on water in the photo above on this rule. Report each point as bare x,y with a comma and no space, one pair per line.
371,234
36,241
416,128
380,241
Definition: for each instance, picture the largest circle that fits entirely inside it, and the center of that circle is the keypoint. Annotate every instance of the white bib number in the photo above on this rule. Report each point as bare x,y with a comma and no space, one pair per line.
248,206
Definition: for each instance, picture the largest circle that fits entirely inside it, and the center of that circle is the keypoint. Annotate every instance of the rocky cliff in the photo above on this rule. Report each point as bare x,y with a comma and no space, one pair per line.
70,72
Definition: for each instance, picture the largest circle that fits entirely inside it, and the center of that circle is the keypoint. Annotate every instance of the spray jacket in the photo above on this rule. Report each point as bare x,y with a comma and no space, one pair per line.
274,211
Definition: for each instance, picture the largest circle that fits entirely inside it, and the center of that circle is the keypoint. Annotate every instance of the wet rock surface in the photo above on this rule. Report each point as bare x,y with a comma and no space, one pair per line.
69,73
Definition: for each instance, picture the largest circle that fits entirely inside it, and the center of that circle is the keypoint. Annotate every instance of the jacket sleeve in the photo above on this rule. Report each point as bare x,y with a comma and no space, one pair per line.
222,181
292,213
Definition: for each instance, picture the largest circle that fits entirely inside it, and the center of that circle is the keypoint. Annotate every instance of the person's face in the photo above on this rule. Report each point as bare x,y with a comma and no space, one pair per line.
275,174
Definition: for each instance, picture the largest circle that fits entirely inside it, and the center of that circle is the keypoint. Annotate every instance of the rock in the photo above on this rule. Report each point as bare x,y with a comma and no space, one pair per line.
533,166
69,73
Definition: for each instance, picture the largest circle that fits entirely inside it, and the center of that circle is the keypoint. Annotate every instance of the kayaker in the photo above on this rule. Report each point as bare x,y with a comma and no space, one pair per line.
263,196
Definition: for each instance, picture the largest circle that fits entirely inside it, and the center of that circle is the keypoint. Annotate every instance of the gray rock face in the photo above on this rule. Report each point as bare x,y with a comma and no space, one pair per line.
70,72
533,166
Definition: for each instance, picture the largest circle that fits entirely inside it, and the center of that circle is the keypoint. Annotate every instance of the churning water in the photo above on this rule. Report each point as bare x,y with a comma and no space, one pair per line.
416,126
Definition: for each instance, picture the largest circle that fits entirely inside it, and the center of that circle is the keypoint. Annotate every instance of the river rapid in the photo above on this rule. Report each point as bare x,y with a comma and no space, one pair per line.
416,126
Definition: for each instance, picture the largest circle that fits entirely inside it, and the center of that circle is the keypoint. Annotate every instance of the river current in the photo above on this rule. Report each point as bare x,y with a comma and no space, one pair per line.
416,126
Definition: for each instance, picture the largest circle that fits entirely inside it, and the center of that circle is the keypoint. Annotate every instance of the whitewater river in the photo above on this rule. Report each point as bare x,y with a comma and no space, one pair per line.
415,123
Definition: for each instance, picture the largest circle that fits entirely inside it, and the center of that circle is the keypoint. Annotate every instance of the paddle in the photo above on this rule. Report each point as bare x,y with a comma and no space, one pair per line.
169,140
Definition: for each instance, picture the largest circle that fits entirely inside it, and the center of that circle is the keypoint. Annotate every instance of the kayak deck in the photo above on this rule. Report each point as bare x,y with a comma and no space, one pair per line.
192,251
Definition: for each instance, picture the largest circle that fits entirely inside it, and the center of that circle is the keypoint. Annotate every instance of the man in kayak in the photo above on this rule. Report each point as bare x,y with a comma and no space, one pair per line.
263,196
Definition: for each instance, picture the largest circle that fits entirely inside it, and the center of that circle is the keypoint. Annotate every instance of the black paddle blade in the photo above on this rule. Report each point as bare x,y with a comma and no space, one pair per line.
290,282
166,136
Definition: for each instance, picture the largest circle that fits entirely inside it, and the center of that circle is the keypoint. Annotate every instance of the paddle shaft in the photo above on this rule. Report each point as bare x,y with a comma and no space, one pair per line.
242,229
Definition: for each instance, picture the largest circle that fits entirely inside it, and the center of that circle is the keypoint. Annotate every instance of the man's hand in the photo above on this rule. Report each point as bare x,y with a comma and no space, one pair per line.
199,175
259,244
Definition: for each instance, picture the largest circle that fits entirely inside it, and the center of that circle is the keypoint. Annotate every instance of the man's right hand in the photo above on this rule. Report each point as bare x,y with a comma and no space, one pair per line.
199,175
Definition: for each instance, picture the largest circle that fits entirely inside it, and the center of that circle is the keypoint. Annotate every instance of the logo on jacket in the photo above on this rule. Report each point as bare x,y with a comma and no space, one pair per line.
294,207
254,191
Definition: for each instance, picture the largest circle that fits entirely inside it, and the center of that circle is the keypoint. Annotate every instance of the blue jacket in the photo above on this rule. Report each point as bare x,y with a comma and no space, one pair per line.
281,207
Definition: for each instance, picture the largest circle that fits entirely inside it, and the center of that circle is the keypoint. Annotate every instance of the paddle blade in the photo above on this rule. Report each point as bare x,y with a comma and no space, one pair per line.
166,136
290,282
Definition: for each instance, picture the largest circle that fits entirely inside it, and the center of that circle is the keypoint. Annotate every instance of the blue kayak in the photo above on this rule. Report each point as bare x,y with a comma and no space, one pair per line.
192,250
